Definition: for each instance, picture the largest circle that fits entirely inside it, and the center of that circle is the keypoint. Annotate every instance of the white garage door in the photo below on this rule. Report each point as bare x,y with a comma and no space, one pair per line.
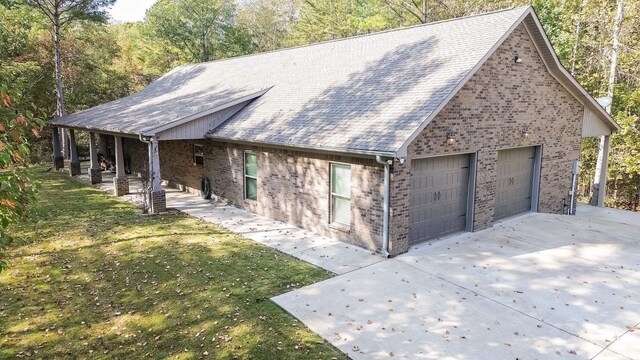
514,183
439,192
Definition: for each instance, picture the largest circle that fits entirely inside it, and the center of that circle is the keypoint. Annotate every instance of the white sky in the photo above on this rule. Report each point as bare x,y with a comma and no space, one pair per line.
129,10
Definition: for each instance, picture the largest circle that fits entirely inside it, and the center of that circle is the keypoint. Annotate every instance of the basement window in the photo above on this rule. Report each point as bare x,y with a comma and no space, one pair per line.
198,154
341,194
250,176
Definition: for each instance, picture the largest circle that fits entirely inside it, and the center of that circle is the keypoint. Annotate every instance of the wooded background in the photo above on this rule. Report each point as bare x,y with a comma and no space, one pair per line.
102,62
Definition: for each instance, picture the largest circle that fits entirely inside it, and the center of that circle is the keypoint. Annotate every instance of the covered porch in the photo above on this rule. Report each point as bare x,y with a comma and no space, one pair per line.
143,121
592,126
147,180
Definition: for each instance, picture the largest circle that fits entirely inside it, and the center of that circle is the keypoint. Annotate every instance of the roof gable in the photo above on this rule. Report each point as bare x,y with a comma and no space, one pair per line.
370,94
366,94
551,61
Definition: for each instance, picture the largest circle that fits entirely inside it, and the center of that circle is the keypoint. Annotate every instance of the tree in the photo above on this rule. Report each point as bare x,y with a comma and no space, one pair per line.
615,42
268,22
322,20
417,9
203,30
61,13
16,190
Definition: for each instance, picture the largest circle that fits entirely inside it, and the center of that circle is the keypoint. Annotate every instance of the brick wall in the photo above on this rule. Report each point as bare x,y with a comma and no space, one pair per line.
292,186
488,114
136,156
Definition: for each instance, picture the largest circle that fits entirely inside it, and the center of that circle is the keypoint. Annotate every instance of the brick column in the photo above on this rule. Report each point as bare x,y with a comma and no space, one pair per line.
157,196
74,166
399,206
95,173
58,160
120,182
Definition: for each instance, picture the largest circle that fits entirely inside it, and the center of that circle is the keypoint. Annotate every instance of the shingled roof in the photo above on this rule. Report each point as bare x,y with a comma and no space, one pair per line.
368,94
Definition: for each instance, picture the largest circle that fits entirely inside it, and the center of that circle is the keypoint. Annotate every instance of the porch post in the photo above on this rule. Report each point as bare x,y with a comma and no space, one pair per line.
58,160
74,166
157,196
600,179
120,182
95,173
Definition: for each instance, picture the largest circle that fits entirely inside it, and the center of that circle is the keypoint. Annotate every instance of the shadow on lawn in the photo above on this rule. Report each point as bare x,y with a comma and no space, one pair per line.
128,286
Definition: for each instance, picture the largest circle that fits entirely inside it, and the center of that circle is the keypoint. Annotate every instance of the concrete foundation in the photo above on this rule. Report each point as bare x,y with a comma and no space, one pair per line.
120,186
158,201
95,175
74,168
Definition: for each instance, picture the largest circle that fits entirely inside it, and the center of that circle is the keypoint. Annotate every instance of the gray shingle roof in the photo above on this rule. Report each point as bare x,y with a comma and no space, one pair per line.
367,93
177,95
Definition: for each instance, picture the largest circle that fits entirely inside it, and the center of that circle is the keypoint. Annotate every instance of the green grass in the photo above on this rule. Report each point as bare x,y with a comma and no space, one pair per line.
90,278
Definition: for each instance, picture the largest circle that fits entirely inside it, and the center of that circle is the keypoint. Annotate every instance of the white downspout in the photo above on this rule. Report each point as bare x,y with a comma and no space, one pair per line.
385,220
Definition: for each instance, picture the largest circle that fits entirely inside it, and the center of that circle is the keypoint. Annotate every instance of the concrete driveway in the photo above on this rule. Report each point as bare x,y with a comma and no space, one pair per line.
538,286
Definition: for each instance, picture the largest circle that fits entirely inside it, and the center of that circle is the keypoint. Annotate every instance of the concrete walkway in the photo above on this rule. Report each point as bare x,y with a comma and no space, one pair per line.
538,286
329,254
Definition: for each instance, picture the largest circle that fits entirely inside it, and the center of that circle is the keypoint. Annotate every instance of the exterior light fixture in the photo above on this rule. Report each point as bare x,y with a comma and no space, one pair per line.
525,131
517,59
450,140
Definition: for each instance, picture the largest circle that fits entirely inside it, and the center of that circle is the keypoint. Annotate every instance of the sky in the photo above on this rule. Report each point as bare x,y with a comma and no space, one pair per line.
129,10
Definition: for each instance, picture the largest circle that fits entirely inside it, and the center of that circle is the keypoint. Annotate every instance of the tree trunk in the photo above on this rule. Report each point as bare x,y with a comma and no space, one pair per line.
576,41
617,25
59,95
424,11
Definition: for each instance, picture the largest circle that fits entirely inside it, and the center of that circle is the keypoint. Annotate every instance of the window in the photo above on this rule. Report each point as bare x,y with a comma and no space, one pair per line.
250,176
341,194
198,155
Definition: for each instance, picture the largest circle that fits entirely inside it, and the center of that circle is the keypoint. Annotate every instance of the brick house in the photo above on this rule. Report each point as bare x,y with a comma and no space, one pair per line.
383,140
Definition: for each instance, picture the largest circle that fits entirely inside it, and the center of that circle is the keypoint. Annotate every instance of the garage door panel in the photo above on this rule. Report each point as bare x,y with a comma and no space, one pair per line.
440,207
514,181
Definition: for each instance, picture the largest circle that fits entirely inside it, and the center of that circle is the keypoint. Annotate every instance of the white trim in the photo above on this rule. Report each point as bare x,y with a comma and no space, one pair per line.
311,149
583,97
557,65
332,194
195,155
181,121
402,151
245,176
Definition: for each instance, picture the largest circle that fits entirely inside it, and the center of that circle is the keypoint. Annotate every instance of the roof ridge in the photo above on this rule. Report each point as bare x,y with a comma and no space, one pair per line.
355,36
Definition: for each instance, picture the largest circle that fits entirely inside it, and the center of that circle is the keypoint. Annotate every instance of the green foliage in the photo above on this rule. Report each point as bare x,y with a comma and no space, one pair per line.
326,20
72,10
202,30
16,190
268,23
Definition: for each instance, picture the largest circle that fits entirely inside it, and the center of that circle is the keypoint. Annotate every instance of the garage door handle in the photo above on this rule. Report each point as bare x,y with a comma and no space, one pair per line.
438,195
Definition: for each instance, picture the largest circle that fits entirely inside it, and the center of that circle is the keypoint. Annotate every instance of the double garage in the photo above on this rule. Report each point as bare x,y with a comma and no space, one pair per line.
443,190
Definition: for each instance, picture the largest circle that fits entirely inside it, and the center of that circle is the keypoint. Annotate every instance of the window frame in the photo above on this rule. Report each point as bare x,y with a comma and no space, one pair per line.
245,175
197,154
332,195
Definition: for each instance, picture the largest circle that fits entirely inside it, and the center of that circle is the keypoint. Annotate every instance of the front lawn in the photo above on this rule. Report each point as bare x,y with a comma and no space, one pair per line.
90,278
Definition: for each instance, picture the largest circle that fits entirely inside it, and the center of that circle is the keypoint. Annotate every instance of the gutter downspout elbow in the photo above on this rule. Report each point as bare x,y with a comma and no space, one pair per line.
385,220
